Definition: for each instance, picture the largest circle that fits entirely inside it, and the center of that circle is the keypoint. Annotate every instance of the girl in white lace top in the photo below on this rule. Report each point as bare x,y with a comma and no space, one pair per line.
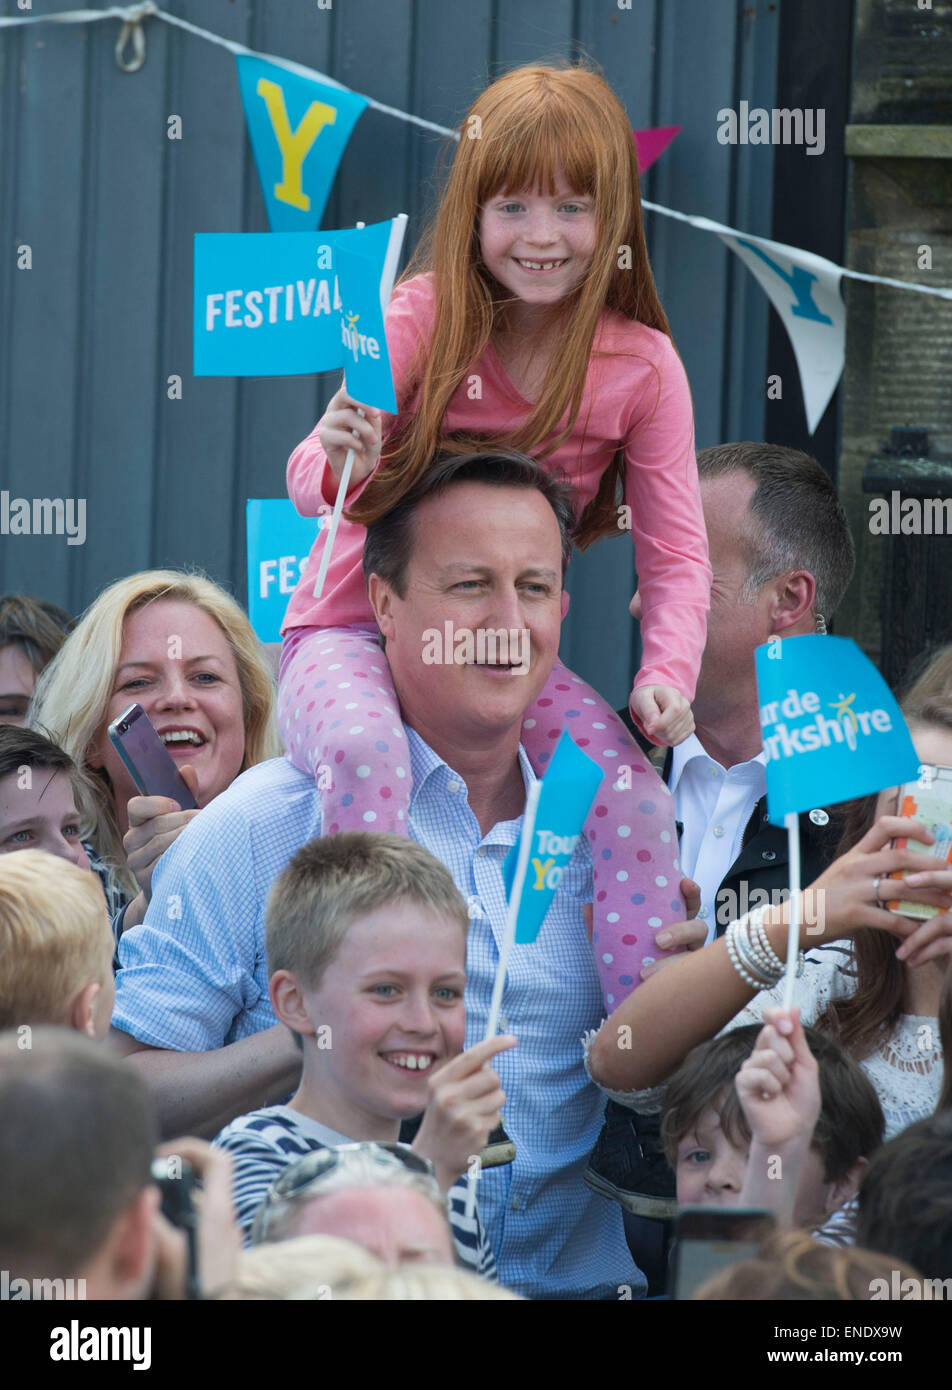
874,982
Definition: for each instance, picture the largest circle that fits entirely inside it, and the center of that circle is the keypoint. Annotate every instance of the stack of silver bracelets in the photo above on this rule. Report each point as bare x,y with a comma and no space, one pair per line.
751,953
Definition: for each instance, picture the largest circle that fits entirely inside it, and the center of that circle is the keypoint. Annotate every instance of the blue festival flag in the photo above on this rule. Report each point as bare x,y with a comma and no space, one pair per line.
268,303
366,360
279,542
831,727
568,790
298,130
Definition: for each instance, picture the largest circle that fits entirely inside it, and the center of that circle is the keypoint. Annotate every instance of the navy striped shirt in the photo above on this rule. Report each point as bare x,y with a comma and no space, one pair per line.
264,1142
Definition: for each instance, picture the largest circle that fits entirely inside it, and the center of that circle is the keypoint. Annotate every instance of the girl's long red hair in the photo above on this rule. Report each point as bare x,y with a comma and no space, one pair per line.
529,127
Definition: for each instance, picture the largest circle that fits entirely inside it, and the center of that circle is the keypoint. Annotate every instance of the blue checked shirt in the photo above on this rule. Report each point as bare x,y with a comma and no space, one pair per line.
194,977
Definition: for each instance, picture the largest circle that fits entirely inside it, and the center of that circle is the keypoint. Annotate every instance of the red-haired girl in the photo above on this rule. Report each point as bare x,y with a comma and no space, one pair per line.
530,321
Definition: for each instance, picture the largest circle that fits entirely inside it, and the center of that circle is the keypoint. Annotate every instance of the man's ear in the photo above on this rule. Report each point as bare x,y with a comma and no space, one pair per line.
794,598
381,601
287,1000
81,1015
845,1186
126,1259
566,599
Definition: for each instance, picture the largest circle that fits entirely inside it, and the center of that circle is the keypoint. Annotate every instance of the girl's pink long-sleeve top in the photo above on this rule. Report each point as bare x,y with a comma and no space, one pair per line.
636,397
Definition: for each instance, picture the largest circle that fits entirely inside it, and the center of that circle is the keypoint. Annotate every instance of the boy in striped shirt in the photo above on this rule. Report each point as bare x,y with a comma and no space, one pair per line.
366,943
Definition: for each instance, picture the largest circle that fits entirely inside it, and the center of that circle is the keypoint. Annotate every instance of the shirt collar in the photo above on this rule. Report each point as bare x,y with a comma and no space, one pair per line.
684,753
424,764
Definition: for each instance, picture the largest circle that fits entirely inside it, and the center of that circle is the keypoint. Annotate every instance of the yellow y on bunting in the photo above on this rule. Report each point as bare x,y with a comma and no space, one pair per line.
298,130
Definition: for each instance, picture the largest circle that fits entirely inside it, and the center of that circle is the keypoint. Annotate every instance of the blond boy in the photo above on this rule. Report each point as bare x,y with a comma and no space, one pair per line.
366,940
55,945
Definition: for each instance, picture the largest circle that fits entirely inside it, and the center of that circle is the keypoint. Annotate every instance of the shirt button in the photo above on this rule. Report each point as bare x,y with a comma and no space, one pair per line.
715,771
702,912
456,786
770,855
480,849
819,817
516,1203
504,1024
718,831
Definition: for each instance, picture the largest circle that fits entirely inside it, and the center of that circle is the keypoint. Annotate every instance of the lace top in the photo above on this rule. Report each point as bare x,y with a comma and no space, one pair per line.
905,1068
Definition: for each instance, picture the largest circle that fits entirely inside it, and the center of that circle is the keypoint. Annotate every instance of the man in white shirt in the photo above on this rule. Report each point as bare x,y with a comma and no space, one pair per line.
782,556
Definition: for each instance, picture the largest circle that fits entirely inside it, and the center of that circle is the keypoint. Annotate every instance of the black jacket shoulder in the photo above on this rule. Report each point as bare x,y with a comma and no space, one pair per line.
761,867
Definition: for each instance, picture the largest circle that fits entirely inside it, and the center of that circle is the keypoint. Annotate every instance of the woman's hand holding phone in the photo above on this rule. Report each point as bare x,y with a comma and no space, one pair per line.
155,822
851,894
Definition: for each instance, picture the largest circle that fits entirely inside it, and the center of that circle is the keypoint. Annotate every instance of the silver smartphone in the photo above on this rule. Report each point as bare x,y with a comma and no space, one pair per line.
147,759
929,800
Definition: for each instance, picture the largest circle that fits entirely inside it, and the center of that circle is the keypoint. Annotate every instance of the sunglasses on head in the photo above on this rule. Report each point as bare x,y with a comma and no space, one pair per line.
299,1177
307,1170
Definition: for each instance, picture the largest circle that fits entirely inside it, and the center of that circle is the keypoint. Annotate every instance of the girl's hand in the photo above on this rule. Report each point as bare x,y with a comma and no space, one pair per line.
662,714
155,822
778,1086
349,425
851,893
465,1100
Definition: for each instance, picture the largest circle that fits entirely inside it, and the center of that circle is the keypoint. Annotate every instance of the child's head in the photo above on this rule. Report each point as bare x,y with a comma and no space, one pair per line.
905,1200
56,945
707,1138
533,129
542,131
39,807
32,630
366,939
790,1267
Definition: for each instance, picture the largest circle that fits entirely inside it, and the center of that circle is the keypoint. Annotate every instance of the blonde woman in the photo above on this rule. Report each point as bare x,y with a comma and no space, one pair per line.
180,646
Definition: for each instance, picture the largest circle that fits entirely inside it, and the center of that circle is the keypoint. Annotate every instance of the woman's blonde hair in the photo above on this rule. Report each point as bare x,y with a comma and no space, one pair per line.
520,133
304,1268
931,677
72,693
416,1283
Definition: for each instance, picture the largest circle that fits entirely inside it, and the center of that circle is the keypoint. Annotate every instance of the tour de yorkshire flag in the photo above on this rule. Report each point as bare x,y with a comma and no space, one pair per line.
298,130
831,728
568,790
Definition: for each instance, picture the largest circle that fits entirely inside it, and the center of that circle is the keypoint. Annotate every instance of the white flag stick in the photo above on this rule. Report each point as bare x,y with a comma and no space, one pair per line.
505,946
342,487
792,821
391,259
509,932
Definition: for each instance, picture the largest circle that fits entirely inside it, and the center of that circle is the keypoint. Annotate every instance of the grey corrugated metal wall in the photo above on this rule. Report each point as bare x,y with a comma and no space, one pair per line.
108,205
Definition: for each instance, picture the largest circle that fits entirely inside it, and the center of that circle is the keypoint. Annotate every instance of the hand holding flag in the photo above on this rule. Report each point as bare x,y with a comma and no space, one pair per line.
350,425
364,298
465,1097
555,812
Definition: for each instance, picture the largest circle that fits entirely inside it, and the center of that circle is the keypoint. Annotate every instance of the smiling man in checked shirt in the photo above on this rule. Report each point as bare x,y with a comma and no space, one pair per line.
488,547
